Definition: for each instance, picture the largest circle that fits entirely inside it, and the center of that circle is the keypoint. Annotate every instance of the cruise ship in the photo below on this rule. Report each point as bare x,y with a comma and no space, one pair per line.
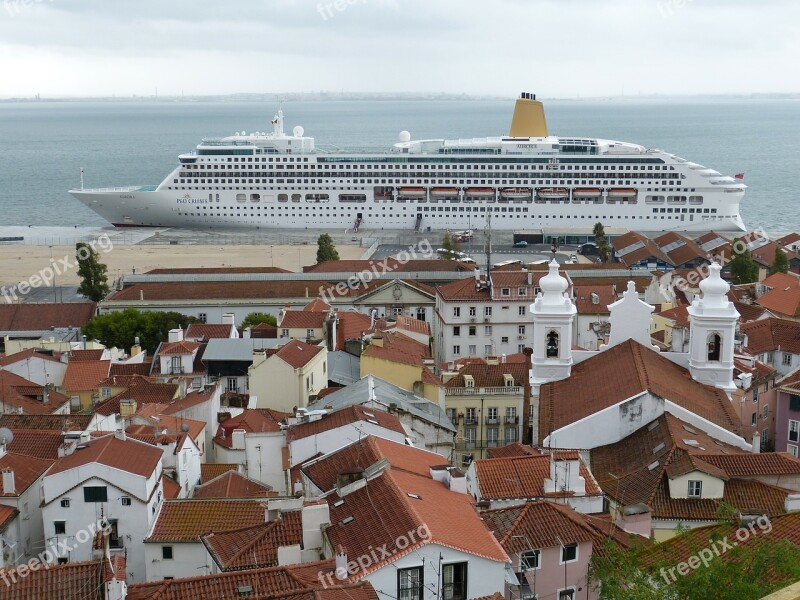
525,180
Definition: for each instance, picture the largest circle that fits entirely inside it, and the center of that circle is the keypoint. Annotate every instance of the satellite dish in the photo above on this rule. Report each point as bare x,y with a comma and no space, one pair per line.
6,435
237,133
298,131
185,428
405,136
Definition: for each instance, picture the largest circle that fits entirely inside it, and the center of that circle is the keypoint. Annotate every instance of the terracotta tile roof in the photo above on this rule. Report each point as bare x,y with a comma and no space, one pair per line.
781,280
71,422
523,476
294,582
28,396
782,301
221,290
232,485
85,375
352,325
463,289
297,353
755,465
748,496
389,265
682,462
209,471
584,299
252,420
537,524
790,382
345,416
404,323
399,348
678,315
70,581
772,334
27,469
40,317
631,470
749,312
485,375
168,424
647,250
191,399
41,443
255,547
207,331
317,305
142,391
324,471
686,251
28,354
178,348
510,450
188,520
125,380
359,523
620,373
7,515
126,455
86,354
300,319
171,487
766,254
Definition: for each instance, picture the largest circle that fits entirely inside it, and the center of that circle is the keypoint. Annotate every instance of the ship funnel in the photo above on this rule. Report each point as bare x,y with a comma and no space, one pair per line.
528,120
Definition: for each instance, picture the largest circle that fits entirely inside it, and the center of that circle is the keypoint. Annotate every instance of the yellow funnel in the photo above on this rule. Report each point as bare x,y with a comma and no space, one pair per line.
528,120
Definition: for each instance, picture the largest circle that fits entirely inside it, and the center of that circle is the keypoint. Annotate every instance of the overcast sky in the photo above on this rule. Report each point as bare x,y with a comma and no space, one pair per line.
559,48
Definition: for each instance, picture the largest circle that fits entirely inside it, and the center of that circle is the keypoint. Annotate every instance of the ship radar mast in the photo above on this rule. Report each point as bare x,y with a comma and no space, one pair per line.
277,123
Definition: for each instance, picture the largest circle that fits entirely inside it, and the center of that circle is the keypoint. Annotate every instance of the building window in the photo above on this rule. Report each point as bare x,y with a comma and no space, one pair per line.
521,329
794,430
202,317
309,333
60,527
487,330
65,503
470,416
770,358
794,403
472,311
755,394
505,291
504,339
454,581
284,333
126,501
176,364
792,449
166,552
456,331
522,292
114,539
410,584
456,311
714,342
473,330
522,311
456,350
511,435
487,311
530,560
568,594
569,553
766,412
754,419
95,494
232,387
473,350
787,359
695,489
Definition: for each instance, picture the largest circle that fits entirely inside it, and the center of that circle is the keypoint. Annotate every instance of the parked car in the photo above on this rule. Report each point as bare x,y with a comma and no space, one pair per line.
521,244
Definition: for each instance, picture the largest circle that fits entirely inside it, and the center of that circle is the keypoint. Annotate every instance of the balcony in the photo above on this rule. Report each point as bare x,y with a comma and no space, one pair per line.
471,421
512,390
493,421
511,420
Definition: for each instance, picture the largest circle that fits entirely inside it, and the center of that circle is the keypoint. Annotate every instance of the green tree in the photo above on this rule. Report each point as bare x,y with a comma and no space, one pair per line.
449,245
743,268
121,328
601,242
325,249
254,318
94,280
780,263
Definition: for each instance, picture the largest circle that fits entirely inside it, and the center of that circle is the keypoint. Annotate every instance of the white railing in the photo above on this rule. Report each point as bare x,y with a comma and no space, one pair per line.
476,391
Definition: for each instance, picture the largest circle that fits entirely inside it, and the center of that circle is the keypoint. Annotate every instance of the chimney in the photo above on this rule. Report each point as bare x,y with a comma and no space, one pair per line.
756,443
238,439
9,483
246,334
175,335
503,359
228,319
377,340
120,434
530,277
526,398
341,563
141,295
136,349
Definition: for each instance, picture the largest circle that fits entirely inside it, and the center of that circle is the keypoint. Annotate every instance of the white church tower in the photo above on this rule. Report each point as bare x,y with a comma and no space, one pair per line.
713,326
553,315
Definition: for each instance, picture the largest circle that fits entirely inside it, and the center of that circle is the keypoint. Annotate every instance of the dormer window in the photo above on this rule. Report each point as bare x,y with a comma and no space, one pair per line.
695,489
469,381
508,380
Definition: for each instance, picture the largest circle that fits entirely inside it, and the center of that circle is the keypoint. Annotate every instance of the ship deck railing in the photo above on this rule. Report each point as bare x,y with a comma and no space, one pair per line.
123,189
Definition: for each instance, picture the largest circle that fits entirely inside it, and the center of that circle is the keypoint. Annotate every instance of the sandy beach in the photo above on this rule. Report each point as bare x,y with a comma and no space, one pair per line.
20,263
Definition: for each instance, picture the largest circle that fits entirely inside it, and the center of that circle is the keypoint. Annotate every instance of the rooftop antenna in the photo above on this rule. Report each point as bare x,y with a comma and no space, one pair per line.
81,178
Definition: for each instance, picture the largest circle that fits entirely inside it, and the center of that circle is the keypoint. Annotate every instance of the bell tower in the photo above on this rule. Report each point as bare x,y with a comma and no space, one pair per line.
711,334
553,315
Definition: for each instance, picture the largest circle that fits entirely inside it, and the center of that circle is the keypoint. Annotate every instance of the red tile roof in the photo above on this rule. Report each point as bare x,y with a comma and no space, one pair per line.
388,265
209,471
171,487
324,471
523,476
749,312
404,323
28,396
70,581
167,424
781,280
86,354
124,369
418,504
70,422
188,520
207,331
232,485
214,270
37,442
781,301
298,354
585,298
345,416
463,290
28,354
178,348
300,319
40,317
399,348
755,465
126,455
352,326
255,547
221,290
620,373
142,391
485,375
317,305
191,399
772,334
27,469
678,315
295,582
509,450
85,375
252,420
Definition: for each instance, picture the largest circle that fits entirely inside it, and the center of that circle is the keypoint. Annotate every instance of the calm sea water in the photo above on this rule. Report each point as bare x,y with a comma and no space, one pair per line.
44,145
